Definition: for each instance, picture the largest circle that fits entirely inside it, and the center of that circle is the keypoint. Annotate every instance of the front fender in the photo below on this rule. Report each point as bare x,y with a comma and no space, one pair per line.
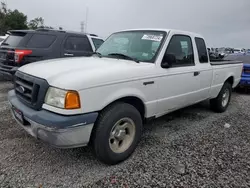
96,99
121,93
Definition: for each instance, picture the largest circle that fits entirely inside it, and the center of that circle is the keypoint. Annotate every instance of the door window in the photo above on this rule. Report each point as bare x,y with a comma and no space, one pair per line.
181,48
77,44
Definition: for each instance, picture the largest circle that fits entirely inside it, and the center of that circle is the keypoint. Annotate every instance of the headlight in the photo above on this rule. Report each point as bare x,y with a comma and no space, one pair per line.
62,99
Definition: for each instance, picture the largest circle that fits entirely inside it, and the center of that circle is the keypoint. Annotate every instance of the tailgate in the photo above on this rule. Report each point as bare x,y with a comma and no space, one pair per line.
8,46
246,70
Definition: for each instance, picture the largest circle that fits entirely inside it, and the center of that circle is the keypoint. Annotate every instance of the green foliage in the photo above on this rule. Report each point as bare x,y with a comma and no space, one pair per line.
11,19
36,23
15,20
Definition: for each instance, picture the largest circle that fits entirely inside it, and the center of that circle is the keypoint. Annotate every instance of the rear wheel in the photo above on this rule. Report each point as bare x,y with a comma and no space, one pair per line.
117,133
221,102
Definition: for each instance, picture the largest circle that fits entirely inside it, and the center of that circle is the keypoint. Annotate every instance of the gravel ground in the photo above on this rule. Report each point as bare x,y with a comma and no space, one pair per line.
193,147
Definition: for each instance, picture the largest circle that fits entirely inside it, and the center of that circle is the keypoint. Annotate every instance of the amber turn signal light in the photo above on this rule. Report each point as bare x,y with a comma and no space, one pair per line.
72,100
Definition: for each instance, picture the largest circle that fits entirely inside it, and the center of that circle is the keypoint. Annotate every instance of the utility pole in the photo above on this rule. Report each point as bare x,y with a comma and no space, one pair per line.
82,26
86,19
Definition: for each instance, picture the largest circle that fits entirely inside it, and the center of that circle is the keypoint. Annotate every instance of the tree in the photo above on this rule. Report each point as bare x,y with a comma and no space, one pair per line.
36,23
3,12
11,20
15,20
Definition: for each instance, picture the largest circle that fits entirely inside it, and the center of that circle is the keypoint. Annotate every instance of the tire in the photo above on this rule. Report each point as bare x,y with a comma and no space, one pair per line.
219,104
107,136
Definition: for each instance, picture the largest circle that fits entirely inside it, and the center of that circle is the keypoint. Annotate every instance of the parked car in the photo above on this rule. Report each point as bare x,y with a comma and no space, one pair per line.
2,38
104,99
239,50
212,54
216,53
224,52
28,46
245,58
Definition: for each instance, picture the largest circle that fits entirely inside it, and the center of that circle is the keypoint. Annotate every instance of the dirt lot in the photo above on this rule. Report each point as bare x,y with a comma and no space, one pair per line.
193,147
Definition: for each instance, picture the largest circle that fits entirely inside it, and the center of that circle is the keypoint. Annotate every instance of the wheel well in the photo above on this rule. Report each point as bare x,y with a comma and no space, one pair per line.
230,80
134,101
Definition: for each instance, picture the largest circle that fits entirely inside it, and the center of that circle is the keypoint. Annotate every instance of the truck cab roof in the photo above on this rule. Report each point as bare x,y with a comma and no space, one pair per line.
167,31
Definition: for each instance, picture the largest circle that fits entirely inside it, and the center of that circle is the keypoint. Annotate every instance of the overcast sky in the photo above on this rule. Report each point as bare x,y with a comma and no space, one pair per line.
221,22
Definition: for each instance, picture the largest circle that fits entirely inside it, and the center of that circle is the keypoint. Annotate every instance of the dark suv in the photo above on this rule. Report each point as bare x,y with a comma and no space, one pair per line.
27,46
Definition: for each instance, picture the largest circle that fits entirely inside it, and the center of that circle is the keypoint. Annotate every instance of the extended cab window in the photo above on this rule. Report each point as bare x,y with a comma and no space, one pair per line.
97,42
202,50
41,41
77,44
180,46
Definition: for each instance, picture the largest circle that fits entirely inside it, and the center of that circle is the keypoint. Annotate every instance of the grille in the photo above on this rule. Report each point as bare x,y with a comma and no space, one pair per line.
27,90
30,90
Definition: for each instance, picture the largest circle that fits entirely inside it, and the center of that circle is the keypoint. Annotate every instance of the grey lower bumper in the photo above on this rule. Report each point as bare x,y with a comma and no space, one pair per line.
57,130
61,138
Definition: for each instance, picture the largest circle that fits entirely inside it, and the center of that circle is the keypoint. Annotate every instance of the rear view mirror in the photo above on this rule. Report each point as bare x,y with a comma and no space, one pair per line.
168,61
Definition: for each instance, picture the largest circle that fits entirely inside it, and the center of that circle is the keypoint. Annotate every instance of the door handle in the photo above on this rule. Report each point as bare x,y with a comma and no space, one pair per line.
196,73
67,54
147,83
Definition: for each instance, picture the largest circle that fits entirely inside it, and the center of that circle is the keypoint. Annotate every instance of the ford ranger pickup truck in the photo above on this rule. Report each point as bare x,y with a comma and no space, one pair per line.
103,100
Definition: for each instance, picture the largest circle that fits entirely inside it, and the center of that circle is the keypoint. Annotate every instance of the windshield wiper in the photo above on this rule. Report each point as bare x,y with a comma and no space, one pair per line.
125,57
98,54
4,43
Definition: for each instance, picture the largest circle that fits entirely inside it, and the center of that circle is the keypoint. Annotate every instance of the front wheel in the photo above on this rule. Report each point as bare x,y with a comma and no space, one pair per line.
117,133
221,102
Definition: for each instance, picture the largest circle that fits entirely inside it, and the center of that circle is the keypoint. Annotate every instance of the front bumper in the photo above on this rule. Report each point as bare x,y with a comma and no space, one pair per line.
58,130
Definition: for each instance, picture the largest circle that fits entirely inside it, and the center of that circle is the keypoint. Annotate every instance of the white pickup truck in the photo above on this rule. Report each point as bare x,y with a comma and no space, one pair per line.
104,99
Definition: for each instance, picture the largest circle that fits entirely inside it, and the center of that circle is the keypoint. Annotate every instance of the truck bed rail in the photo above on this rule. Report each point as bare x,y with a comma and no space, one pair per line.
224,62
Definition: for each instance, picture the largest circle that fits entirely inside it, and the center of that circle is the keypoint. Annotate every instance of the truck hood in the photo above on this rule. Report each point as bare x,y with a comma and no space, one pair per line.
83,72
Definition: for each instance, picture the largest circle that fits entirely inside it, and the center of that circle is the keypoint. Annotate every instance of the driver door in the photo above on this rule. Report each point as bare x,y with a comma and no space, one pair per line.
179,85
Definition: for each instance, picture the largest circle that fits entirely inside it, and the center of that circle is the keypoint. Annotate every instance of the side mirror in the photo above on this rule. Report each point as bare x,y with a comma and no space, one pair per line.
168,61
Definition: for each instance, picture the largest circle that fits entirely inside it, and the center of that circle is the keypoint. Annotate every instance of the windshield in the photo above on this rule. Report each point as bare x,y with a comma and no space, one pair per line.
140,45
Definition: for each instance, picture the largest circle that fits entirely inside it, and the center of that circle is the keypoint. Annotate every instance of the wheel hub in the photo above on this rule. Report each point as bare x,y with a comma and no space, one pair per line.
225,98
122,135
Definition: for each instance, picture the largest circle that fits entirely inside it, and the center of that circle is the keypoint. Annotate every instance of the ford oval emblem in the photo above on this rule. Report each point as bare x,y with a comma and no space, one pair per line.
21,89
